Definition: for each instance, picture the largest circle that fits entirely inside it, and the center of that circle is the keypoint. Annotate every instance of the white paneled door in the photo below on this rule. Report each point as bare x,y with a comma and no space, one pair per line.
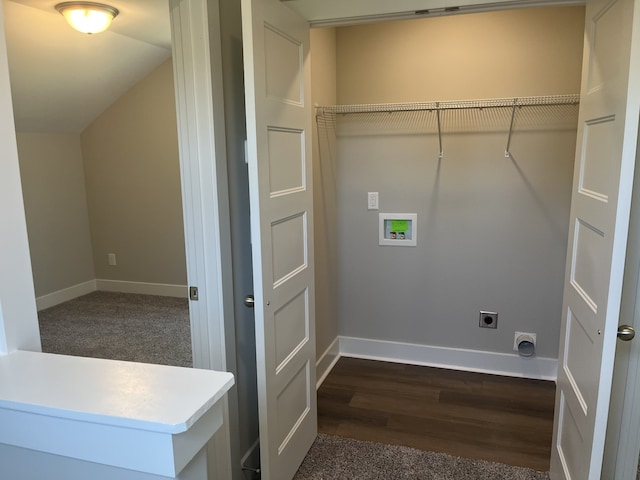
602,186
277,85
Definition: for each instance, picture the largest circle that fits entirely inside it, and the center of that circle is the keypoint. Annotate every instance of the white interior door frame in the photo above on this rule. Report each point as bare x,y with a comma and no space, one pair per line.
202,166
623,435
18,316
628,435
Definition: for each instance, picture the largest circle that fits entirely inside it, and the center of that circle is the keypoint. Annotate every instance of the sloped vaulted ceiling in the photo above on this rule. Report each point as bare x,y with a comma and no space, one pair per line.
61,80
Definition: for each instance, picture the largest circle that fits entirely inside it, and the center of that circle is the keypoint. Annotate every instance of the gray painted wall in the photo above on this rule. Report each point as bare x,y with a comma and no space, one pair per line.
55,203
492,231
133,184
115,188
492,235
323,92
532,51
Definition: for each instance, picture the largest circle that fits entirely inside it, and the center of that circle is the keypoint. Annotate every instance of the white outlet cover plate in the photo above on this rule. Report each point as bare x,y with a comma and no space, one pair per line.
372,200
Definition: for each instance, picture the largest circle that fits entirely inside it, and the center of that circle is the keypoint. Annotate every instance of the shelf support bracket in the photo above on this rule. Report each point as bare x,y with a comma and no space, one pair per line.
441,154
507,151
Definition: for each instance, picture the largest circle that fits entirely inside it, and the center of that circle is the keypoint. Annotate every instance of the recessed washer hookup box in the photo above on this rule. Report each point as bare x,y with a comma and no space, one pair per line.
398,229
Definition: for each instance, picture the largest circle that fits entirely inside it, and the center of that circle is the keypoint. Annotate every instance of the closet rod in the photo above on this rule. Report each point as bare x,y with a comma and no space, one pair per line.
450,105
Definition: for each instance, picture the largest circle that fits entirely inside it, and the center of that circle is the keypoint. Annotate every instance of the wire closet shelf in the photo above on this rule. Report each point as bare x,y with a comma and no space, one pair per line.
439,106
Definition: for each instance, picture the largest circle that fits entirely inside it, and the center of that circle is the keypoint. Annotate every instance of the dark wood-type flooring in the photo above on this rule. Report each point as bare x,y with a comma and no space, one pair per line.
472,415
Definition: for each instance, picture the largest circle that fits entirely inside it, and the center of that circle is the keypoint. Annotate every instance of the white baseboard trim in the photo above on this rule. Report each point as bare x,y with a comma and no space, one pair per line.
511,365
326,361
56,298
143,288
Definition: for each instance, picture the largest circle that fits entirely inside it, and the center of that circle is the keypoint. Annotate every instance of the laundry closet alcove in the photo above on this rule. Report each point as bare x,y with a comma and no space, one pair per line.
490,182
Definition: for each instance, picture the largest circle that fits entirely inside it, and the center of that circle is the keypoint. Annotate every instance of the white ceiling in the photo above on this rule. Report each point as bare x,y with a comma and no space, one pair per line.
61,80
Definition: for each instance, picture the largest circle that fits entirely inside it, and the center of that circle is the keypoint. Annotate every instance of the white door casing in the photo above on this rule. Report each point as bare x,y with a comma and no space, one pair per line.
278,107
601,198
195,50
623,435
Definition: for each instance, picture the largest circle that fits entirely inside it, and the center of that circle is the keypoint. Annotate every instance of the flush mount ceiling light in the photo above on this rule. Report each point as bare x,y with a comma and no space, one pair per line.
87,17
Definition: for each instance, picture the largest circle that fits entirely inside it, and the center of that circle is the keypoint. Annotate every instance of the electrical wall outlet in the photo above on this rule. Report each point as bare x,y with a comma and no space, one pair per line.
112,259
372,200
488,319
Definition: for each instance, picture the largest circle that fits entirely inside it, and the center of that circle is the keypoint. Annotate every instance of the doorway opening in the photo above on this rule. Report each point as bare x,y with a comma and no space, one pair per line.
97,142
476,206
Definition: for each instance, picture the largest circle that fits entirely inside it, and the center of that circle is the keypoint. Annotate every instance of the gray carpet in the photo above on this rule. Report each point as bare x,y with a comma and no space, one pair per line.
136,328
338,458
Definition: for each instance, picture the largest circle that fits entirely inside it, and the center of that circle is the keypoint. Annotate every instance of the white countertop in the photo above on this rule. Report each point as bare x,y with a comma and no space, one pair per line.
156,398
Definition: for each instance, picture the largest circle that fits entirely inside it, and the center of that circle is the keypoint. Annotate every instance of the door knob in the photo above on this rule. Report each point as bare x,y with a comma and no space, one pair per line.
249,301
626,333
